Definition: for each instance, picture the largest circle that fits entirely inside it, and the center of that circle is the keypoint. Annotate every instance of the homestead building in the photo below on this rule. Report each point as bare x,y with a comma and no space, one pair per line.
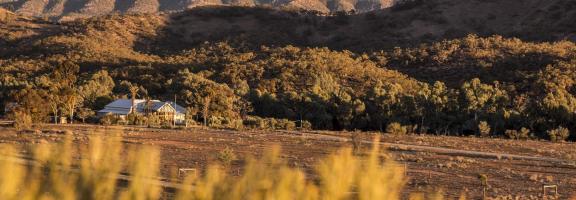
166,111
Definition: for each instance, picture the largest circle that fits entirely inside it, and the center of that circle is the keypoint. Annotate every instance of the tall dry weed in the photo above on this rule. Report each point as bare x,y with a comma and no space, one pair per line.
65,171
53,172
340,176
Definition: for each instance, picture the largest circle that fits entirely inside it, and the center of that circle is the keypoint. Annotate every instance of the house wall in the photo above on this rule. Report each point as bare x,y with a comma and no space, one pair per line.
166,113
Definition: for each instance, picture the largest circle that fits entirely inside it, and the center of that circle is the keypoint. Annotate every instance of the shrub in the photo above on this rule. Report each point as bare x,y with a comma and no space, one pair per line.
236,124
483,179
216,122
108,120
121,121
484,129
131,118
521,134
191,122
153,121
411,129
139,120
396,128
254,122
225,122
166,125
22,120
304,125
284,124
559,134
84,113
512,134
524,133
226,156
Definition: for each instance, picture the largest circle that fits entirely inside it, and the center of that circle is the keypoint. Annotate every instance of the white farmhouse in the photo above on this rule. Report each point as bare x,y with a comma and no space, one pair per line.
167,111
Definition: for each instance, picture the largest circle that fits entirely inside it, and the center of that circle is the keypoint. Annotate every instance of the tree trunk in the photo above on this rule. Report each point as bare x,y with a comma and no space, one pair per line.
71,112
206,110
55,112
421,128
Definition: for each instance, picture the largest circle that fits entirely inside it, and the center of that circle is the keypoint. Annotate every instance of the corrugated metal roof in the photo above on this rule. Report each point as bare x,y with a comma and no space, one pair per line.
123,106
124,103
115,111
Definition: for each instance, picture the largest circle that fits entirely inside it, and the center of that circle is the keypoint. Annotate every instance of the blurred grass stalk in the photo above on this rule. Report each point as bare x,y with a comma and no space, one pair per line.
59,174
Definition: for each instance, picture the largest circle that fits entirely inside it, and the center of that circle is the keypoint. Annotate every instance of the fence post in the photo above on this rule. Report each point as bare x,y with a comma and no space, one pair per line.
544,187
186,170
405,170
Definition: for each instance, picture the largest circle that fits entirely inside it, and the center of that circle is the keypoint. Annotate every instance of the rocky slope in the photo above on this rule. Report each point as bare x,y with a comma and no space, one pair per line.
403,25
72,9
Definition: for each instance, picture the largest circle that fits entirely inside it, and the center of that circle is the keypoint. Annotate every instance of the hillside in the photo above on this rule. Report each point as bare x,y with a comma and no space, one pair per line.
72,9
373,23
405,25
411,64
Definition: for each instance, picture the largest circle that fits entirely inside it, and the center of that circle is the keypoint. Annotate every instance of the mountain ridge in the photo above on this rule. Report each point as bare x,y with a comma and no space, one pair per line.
404,25
65,10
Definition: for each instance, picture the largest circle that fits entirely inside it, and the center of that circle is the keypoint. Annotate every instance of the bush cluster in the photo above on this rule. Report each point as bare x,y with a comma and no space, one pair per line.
254,122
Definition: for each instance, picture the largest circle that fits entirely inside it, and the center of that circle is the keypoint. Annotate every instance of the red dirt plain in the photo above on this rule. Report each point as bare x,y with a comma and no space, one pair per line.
454,173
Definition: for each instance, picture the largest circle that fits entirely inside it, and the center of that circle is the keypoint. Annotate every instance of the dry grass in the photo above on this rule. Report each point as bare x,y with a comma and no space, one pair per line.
54,173
340,176
69,171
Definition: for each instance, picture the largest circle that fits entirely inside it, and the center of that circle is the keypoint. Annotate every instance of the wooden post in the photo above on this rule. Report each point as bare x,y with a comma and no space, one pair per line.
405,170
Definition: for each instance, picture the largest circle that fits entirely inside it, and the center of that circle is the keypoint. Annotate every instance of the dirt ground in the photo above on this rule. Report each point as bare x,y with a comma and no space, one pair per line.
456,173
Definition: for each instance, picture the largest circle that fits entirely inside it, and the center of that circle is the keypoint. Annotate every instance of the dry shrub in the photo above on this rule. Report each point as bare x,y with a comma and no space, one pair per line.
521,134
484,129
144,168
267,178
22,120
396,128
54,172
102,156
341,176
226,156
57,174
559,134
108,120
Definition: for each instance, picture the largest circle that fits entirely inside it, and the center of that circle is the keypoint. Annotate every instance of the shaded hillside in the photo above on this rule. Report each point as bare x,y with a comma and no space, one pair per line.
407,24
491,59
16,31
